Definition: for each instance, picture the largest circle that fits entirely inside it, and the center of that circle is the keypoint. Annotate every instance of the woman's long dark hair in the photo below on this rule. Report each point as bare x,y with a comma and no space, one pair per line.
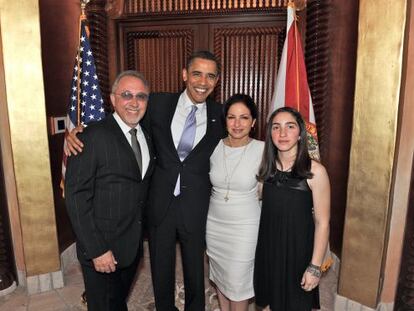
302,166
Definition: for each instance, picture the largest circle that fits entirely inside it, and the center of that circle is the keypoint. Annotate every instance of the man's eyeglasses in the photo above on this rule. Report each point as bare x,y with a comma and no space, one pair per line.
128,96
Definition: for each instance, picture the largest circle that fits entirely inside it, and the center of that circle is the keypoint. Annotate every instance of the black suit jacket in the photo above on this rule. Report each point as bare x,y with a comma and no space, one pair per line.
105,195
194,170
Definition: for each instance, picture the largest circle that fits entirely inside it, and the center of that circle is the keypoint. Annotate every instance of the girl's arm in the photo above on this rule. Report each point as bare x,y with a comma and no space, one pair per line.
321,194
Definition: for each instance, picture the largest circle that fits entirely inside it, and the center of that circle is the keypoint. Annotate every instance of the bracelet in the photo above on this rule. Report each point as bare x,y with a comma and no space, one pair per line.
314,266
314,270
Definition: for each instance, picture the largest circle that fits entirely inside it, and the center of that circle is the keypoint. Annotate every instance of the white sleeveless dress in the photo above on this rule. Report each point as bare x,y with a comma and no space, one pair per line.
232,225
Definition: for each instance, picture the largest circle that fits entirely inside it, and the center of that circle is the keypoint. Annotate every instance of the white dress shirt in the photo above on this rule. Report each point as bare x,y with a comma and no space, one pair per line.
181,112
141,140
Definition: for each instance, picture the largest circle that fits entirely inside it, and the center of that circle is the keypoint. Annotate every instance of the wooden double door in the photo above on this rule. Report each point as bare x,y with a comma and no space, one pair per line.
248,48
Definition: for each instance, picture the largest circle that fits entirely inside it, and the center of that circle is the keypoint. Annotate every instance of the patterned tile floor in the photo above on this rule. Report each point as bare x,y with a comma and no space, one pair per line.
141,298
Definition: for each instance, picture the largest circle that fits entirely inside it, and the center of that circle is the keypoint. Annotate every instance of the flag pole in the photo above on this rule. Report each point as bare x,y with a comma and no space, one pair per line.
82,18
83,14
292,5
299,4
83,5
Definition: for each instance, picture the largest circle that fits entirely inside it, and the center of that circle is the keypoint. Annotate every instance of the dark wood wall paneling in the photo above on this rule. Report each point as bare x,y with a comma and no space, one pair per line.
337,98
317,64
97,20
145,6
59,38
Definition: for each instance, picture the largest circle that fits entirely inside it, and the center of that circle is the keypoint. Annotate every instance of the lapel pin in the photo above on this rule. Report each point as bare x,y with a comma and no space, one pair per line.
213,120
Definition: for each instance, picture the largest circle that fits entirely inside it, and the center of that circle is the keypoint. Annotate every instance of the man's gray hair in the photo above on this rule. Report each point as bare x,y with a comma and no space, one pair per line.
129,73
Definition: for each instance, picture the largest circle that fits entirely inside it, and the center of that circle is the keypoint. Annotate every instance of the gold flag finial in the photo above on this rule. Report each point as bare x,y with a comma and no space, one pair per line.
83,4
297,4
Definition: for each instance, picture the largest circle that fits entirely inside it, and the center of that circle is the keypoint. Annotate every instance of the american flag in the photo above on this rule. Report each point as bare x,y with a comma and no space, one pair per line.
86,103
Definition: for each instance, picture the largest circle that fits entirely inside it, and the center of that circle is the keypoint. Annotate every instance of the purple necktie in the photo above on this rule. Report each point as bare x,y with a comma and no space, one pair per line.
187,137
186,141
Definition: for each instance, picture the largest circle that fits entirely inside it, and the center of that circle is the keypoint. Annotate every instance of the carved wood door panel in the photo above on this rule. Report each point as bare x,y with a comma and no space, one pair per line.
159,52
249,55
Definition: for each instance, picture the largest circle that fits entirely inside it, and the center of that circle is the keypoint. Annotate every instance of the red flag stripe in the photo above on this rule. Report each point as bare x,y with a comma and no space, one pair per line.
296,88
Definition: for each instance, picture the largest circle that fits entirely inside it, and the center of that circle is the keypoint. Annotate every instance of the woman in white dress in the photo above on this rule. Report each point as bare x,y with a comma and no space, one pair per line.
234,212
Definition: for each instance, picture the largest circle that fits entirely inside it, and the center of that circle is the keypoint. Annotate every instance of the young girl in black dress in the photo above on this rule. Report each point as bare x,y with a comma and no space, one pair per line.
294,224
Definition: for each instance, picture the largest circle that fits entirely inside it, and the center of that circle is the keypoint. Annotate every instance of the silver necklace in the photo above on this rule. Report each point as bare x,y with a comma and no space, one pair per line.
229,175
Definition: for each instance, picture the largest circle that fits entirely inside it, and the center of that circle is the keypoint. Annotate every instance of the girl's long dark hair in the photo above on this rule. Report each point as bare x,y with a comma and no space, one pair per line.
302,166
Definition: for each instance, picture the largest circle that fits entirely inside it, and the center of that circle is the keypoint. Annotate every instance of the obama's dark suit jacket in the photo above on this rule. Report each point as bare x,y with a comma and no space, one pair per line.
194,170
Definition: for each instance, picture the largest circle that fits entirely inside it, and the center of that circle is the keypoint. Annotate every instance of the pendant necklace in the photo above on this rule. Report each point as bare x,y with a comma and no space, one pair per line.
229,175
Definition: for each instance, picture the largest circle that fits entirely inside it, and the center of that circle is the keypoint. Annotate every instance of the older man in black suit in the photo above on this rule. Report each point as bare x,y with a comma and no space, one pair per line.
106,187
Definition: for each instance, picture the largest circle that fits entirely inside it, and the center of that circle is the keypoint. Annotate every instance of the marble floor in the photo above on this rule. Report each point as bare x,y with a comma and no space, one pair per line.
141,298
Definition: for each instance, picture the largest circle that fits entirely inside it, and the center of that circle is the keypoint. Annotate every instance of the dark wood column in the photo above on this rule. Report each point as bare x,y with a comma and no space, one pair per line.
405,292
97,18
331,44
7,273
